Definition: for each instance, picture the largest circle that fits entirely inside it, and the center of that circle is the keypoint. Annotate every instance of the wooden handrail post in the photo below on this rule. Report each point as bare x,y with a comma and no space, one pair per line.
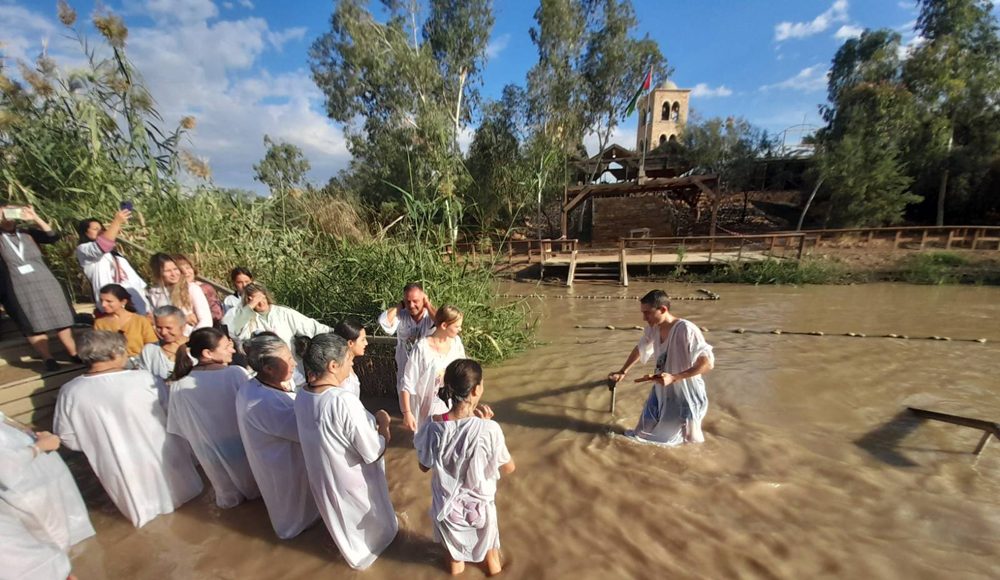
899,236
923,239
802,246
572,267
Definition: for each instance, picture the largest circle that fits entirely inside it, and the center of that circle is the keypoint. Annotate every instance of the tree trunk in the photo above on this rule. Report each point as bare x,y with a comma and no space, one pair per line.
458,108
809,201
943,188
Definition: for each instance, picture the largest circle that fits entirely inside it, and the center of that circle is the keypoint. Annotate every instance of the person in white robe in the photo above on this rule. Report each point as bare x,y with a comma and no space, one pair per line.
259,314
241,278
677,401
171,289
357,341
466,452
102,264
343,446
202,410
410,320
41,512
424,374
158,358
115,418
265,414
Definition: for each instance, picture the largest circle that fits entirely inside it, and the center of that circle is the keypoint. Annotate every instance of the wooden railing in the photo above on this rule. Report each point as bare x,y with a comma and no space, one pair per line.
916,237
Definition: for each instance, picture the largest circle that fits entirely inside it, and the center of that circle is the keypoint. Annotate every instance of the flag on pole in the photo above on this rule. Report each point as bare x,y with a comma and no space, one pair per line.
635,98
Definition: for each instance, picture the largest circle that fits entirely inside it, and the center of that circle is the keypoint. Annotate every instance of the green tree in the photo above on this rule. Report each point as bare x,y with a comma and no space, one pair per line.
283,167
955,75
870,118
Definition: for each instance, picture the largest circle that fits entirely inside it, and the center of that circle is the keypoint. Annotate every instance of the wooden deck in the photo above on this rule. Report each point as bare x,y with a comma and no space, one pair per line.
656,258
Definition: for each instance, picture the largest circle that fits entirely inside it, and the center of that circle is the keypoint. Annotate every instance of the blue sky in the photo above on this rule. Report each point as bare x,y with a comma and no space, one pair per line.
240,66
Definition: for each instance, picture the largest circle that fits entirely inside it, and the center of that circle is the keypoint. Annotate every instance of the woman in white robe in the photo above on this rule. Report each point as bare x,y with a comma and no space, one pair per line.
265,414
41,512
261,314
343,446
357,342
677,401
114,416
102,264
424,374
467,454
158,358
202,410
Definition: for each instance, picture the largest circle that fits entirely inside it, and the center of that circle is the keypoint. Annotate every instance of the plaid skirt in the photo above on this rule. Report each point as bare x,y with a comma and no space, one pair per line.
36,301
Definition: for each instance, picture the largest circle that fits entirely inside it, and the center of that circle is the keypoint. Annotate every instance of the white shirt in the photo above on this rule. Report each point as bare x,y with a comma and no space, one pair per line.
160,296
343,453
116,420
101,268
266,418
408,332
203,411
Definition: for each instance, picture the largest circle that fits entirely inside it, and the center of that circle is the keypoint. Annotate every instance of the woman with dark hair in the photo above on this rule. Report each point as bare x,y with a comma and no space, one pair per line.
357,341
190,274
120,316
343,446
171,289
468,454
100,261
113,415
31,295
241,278
265,413
202,410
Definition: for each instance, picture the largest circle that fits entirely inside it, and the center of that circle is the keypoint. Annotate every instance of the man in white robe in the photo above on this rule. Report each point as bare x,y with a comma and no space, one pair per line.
116,419
410,320
343,450
677,402
266,418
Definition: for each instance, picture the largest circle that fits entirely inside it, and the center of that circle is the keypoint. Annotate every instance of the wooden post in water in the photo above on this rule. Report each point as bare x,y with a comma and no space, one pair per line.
572,267
612,386
623,273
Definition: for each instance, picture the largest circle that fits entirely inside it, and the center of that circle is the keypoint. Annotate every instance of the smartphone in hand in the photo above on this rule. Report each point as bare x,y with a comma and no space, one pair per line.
126,204
13,212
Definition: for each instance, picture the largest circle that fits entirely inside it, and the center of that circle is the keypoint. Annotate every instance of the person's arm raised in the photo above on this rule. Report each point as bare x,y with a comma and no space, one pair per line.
114,229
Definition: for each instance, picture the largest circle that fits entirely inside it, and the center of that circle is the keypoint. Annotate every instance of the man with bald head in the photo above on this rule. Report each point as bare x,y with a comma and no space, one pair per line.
410,320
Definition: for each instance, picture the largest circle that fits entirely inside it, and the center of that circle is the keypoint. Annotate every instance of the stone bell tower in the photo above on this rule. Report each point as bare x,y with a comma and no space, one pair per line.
662,116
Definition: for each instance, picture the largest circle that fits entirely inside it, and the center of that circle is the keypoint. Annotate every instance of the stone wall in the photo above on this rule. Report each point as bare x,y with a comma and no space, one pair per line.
613,217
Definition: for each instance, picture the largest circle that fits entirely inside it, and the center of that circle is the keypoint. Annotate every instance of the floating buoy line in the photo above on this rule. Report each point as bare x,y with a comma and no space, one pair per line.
778,331
703,294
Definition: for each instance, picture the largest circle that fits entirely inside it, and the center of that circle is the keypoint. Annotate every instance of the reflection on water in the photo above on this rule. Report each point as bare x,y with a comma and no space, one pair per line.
810,467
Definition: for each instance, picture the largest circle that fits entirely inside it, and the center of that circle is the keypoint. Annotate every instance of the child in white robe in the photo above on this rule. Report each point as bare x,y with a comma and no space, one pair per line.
265,414
467,454
202,410
114,416
343,446
424,374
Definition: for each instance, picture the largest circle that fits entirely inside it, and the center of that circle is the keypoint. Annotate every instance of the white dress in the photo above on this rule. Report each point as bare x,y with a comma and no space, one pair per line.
266,418
424,376
116,420
103,268
352,384
673,413
203,411
281,320
408,332
41,512
343,454
465,458
160,296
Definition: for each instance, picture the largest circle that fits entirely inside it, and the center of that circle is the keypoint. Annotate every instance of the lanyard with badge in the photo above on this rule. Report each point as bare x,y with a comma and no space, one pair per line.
19,252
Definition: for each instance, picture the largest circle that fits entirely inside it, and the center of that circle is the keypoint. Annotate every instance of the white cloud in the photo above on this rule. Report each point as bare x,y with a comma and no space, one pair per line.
210,68
497,45
907,47
621,135
834,14
809,79
246,4
848,31
702,90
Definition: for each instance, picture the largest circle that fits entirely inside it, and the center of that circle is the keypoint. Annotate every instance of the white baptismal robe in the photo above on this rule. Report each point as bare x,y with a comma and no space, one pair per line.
117,421
464,457
41,512
424,376
203,411
408,332
669,408
343,452
352,384
266,418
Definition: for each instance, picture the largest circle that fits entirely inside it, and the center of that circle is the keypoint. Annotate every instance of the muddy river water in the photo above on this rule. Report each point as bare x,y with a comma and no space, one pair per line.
810,468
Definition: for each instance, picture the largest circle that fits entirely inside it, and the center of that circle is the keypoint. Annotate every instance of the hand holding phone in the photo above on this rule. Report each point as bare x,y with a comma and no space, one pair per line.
126,205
